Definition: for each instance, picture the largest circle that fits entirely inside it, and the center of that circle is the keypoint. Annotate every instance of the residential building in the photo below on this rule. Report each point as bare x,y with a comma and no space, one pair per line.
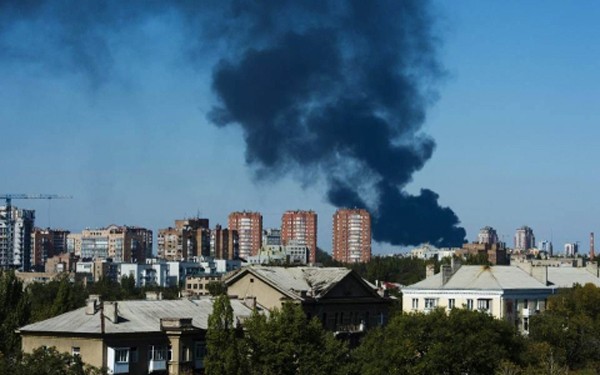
224,243
505,292
293,253
571,249
94,270
487,235
15,238
198,285
300,227
63,262
427,251
74,243
524,239
271,236
119,243
190,238
337,296
249,229
546,246
154,272
47,243
496,253
132,337
352,235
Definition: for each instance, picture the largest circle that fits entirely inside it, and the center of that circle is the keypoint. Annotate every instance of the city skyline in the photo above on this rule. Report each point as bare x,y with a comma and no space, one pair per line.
513,126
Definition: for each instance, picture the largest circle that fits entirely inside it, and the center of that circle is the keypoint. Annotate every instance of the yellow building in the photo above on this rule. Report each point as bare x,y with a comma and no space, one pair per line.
132,337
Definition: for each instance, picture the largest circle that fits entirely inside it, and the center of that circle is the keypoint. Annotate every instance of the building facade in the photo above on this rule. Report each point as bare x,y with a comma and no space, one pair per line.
488,236
505,292
524,239
119,243
352,236
291,254
189,238
300,227
248,226
271,236
571,249
47,243
224,243
15,238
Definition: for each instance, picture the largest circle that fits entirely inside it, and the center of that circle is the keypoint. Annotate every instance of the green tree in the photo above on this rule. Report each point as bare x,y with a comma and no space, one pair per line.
14,313
46,361
223,347
571,327
216,288
457,342
287,343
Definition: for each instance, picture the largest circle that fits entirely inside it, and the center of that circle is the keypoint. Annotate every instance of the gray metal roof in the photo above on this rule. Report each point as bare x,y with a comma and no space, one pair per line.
296,281
566,277
482,278
135,316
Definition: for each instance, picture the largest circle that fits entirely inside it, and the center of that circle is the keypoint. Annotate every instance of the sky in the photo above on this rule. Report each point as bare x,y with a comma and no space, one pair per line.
513,120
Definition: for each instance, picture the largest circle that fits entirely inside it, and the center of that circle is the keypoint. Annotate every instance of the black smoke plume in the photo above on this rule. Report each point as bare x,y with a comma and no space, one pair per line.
341,88
333,89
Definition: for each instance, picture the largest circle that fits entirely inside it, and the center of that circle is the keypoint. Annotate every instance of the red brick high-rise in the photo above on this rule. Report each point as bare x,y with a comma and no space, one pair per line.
352,235
301,227
249,228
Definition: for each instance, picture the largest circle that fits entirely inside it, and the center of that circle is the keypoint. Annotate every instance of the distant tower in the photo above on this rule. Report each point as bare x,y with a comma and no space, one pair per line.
300,227
524,239
571,249
352,236
249,228
488,236
592,252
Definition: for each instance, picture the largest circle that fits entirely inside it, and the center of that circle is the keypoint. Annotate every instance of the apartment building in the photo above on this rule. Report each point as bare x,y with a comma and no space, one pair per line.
15,238
524,239
189,238
352,235
47,243
224,243
132,337
248,226
300,227
119,243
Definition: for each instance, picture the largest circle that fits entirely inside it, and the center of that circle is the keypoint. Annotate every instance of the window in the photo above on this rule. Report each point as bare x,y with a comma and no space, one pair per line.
200,351
75,351
157,353
170,357
469,304
121,355
451,303
484,304
537,305
526,324
185,354
415,303
430,303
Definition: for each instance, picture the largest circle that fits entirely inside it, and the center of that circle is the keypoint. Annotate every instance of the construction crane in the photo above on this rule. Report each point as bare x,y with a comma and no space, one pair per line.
8,207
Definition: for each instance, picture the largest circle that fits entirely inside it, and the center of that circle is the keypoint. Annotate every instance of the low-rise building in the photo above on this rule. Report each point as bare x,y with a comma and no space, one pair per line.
152,273
292,253
505,292
339,297
132,337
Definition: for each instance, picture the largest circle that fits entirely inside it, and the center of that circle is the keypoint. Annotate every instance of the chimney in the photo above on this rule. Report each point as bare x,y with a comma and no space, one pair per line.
429,270
446,273
111,311
592,252
91,304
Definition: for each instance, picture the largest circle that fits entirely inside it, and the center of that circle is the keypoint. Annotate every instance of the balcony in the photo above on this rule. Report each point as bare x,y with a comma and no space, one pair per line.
157,365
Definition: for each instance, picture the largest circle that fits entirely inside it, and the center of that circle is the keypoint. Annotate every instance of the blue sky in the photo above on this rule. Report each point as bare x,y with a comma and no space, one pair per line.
515,127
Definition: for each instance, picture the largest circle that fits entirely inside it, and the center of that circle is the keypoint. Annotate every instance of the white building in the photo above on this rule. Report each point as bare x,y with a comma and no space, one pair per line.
524,239
505,292
427,251
153,272
293,253
15,238
571,249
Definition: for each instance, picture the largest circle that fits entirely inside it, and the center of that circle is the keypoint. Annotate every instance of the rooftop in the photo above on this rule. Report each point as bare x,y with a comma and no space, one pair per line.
135,316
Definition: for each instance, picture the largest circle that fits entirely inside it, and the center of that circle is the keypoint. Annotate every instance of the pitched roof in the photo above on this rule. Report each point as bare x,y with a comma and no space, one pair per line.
135,316
482,278
566,277
299,282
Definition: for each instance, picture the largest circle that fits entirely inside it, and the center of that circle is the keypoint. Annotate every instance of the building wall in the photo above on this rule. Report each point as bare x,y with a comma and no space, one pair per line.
249,229
301,227
352,235
251,286
47,243
91,349
120,243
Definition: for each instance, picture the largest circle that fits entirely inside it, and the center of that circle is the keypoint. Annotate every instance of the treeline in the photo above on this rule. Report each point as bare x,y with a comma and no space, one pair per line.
563,340
21,305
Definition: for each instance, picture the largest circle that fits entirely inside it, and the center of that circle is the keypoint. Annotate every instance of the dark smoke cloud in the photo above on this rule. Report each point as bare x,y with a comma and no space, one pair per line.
344,95
320,88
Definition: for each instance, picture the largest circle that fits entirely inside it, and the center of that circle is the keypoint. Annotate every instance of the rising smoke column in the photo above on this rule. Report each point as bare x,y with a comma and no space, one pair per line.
341,88
334,89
